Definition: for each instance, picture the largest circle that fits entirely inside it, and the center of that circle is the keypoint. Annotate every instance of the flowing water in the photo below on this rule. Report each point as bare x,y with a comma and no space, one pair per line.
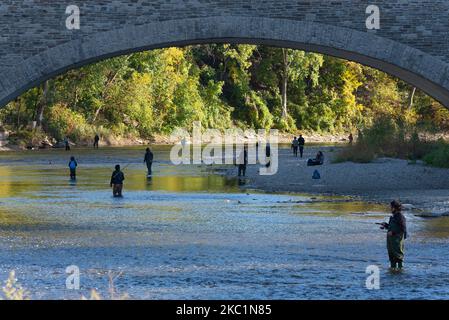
191,233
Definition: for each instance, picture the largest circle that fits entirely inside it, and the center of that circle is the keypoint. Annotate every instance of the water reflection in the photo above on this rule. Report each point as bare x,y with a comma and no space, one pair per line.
189,233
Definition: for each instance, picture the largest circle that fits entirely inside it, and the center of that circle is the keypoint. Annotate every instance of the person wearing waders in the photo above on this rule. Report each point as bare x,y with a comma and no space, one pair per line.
117,182
397,233
295,145
243,162
72,166
96,141
149,161
301,143
67,144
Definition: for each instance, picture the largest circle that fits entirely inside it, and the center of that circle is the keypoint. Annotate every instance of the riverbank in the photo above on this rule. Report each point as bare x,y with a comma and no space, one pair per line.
422,187
284,138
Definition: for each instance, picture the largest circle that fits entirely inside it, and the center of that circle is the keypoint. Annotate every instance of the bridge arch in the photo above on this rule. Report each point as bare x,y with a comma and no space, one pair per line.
414,66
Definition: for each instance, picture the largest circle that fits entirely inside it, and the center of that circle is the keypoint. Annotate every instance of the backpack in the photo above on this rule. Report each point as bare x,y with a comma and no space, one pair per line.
72,165
316,175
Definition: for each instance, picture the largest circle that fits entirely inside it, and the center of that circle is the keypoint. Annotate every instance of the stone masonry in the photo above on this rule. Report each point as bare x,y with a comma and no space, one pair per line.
412,43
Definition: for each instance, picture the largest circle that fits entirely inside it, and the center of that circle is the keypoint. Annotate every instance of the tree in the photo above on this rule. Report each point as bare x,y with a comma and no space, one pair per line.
298,66
42,104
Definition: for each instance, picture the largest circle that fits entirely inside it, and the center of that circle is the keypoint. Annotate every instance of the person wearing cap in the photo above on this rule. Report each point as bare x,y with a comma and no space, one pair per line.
397,233
117,179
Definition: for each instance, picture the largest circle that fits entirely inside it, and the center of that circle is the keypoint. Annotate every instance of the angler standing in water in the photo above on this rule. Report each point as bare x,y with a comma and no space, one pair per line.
67,144
72,166
117,182
149,160
397,233
96,141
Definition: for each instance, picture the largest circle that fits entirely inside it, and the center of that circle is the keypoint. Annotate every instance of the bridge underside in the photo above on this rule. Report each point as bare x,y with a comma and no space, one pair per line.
422,70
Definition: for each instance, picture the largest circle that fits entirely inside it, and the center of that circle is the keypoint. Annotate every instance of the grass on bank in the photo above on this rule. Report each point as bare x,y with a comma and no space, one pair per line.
387,137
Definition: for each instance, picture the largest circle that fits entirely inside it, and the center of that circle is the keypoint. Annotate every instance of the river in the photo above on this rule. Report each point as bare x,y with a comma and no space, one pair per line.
192,233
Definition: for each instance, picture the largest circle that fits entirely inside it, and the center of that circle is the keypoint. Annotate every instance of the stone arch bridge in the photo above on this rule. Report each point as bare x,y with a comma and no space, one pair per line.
35,43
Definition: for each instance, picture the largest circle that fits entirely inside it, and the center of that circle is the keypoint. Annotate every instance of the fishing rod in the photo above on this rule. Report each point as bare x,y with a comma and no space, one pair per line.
126,166
121,169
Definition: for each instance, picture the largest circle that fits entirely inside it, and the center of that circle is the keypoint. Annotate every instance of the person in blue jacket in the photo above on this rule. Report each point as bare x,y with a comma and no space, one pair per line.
72,166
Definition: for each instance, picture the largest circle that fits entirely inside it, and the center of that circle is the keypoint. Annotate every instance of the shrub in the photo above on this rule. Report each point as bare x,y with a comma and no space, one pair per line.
25,138
439,156
357,153
392,138
62,122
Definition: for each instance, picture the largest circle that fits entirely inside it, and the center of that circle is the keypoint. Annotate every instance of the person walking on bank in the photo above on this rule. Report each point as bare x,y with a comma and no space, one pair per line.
301,143
243,162
149,161
96,141
295,145
117,179
72,166
397,233
268,154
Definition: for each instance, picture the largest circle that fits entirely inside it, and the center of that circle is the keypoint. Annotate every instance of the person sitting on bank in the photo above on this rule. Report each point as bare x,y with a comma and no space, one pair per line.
72,166
117,179
397,233
318,161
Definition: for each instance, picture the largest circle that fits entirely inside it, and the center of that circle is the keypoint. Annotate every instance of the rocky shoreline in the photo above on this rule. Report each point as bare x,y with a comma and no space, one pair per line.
158,140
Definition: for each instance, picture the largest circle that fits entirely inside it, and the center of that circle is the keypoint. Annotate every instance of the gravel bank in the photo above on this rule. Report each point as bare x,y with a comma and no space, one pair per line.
426,188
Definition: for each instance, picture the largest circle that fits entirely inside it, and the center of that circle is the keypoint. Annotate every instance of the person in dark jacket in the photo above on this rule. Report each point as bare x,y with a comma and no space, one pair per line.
397,233
96,141
243,162
149,160
72,166
318,161
67,144
117,179
351,138
268,154
301,143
